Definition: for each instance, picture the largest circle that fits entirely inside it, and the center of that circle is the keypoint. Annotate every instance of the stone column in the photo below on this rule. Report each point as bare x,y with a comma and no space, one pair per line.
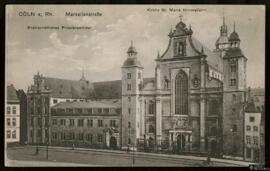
142,117
158,80
202,106
158,121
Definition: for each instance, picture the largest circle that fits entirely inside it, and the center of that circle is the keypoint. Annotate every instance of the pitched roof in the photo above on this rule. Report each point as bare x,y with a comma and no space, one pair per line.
108,89
83,89
213,59
12,94
63,88
89,104
250,107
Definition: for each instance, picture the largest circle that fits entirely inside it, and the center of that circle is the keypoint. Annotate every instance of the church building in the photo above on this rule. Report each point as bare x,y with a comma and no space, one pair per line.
194,103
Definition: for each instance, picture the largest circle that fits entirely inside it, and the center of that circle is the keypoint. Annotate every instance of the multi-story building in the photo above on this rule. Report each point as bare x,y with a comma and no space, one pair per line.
23,116
254,128
47,92
87,123
12,116
195,102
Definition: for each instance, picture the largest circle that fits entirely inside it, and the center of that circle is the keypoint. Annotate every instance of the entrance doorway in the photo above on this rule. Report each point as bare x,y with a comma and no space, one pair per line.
213,148
113,142
181,142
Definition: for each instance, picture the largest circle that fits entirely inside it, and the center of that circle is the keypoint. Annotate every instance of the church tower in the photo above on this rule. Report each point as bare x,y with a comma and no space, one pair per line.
131,85
222,43
234,87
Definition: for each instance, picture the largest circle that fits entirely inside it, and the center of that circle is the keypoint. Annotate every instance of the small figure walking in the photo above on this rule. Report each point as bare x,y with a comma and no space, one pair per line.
37,151
73,146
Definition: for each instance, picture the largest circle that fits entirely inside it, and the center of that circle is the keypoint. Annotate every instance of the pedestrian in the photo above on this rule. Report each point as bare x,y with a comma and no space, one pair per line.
128,149
208,160
73,146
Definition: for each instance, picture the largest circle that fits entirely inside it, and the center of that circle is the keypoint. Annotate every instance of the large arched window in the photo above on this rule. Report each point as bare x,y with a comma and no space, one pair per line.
181,93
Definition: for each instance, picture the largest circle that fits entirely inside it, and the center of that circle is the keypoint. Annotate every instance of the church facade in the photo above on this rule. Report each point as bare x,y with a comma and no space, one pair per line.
194,103
196,100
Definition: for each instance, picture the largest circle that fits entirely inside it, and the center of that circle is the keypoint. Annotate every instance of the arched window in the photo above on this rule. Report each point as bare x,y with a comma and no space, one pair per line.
181,93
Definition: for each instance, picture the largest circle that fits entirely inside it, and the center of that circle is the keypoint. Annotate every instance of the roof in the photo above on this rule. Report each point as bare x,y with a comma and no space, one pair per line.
213,59
131,49
108,89
233,52
250,108
88,104
180,30
234,36
12,94
63,88
83,89
222,40
256,100
132,62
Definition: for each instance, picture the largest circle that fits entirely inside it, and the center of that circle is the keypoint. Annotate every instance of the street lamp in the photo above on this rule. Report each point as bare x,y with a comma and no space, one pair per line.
47,136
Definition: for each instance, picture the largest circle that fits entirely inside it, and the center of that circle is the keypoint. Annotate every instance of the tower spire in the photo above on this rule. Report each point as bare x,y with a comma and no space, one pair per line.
234,26
82,78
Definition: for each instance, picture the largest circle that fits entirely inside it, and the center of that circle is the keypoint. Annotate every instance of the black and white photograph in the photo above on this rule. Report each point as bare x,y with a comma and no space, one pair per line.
134,85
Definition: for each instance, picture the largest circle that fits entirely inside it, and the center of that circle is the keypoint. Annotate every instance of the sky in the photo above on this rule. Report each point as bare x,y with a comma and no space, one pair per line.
101,50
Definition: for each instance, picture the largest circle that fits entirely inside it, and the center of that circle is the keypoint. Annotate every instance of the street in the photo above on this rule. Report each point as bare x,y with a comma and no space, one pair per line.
89,157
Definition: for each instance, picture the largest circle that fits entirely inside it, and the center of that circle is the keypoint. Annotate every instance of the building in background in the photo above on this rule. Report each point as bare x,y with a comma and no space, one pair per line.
255,126
89,123
12,116
47,92
23,115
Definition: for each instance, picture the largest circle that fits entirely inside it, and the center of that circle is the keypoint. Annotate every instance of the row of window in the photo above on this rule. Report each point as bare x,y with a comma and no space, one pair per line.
67,100
255,128
255,140
11,134
39,133
13,110
9,122
87,110
129,75
80,122
39,122
78,136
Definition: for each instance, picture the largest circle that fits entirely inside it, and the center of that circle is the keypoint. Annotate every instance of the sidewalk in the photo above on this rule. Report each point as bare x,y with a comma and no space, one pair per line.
21,163
172,156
